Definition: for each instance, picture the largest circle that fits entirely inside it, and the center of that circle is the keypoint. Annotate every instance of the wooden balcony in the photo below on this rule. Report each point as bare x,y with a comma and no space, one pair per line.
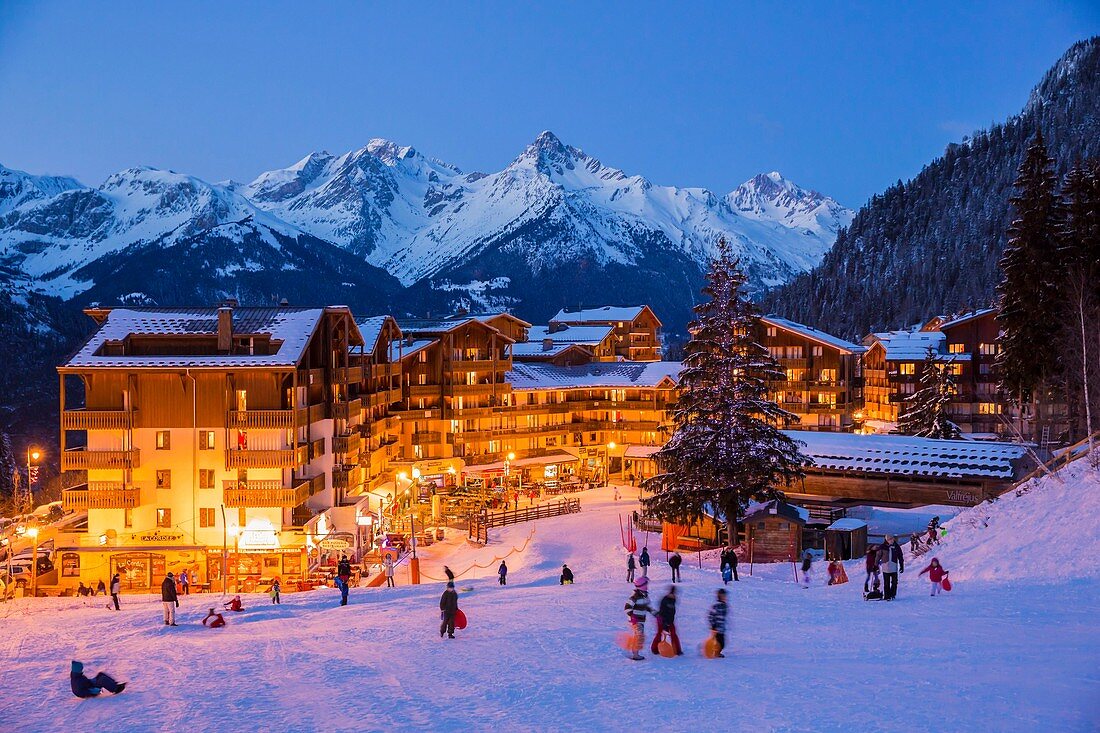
392,369
479,365
312,414
260,419
347,478
424,390
265,494
95,420
480,389
246,458
348,410
427,438
346,443
99,495
82,459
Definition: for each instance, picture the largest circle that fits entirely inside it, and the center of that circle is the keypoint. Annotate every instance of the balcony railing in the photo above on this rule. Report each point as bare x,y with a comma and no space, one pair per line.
95,420
346,443
348,410
99,495
427,437
257,494
347,478
261,419
246,458
80,459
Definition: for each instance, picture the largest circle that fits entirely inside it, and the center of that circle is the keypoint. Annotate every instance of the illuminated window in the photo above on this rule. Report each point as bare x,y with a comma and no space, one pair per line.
164,518
127,518
988,349
908,368
164,440
956,348
164,479
989,408
206,440
817,351
771,331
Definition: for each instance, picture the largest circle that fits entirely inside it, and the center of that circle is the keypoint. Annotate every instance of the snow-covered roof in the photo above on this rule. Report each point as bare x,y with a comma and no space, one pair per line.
775,506
429,326
586,335
487,316
847,524
909,345
813,334
908,456
599,315
408,348
641,451
965,317
371,328
531,349
597,374
293,327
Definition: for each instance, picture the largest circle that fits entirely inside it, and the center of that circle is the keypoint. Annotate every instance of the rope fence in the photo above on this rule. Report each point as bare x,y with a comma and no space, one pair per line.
490,564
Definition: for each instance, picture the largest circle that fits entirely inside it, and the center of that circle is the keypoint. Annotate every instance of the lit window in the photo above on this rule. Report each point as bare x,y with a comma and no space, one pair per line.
164,440
988,349
164,518
771,331
818,350
164,479
907,368
956,348
206,440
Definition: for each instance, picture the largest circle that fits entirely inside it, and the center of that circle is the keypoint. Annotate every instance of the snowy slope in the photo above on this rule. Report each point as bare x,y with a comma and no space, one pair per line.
1049,533
18,188
417,217
539,656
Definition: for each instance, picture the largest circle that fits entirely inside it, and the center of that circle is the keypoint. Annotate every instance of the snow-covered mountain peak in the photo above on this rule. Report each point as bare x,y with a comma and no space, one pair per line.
771,196
18,187
389,152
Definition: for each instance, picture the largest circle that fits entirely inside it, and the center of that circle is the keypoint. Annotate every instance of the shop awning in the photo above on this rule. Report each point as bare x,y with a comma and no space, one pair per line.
551,459
641,451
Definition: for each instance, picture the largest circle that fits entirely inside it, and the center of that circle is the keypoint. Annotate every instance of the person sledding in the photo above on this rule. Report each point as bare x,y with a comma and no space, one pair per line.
213,620
637,606
936,574
448,608
84,687
234,604
666,623
566,577
716,620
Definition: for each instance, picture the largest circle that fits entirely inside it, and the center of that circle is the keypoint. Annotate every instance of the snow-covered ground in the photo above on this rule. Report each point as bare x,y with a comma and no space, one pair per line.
999,654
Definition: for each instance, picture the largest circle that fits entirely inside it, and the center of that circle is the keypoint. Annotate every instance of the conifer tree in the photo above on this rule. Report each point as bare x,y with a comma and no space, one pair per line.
1030,288
726,448
929,414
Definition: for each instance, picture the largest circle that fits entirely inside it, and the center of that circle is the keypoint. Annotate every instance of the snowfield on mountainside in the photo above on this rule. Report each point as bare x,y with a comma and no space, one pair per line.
1005,652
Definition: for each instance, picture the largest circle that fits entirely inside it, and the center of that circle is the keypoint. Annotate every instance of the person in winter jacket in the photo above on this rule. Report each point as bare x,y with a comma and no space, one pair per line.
213,620
502,571
729,560
448,609
870,564
936,574
185,583
566,576
666,622
82,590
388,563
637,606
630,565
716,619
116,588
674,562
276,591
891,561
343,569
169,599
234,604
84,687
643,560
101,587
807,566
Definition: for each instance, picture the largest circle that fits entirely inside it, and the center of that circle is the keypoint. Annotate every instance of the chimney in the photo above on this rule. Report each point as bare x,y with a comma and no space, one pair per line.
547,344
225,329
284,302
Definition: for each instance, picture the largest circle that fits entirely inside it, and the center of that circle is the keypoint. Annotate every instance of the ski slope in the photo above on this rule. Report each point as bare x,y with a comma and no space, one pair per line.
991,655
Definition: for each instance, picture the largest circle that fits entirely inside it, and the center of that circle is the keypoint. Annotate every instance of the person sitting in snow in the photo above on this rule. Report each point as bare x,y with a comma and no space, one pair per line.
566,575
82,590
234,605
84,687
101,587
936,574
213,620
637,606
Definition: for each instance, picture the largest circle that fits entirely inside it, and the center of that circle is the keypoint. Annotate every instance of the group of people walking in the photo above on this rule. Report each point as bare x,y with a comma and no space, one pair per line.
638,607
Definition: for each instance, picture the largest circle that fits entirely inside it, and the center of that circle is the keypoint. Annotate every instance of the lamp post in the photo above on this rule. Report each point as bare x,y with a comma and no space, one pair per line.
33,454
610,447
33,532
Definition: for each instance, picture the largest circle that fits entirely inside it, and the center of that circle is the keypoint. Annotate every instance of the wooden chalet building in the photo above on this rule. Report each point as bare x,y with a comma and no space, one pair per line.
636,328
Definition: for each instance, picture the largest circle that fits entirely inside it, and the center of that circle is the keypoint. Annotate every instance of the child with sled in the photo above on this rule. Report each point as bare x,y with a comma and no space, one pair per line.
936,574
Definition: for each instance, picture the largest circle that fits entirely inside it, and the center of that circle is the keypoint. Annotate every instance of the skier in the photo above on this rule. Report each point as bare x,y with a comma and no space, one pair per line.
936,574
448,608
807,565
116,588
101,587
84,687
185,582
674,562
716,619
566,575
891,561
213,620
637,606
644,562
630,565
276,590
502,571
388,563
870,564
666,621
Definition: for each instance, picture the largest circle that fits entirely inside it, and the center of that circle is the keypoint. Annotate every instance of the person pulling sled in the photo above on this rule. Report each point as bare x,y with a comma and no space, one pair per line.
637,606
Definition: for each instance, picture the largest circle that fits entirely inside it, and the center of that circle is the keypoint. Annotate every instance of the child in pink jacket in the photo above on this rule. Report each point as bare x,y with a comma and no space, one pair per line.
936,574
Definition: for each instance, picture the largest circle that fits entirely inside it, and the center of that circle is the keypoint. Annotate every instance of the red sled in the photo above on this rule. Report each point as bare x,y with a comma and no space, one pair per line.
460,620
946,583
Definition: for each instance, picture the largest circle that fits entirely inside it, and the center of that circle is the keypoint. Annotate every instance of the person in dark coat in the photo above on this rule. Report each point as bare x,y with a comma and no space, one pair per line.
84,687
343,569
448,609
891,561
870,564
716,620
674,562
729,560
502,571
566,576
630,565
101,587
666,621
643,560
116,588
169,599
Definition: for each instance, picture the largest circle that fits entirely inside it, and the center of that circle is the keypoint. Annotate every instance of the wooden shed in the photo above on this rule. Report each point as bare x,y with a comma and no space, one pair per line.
705,533
845,539
774,531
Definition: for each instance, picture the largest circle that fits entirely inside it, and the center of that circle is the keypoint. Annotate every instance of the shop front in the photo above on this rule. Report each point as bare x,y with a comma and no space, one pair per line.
246,570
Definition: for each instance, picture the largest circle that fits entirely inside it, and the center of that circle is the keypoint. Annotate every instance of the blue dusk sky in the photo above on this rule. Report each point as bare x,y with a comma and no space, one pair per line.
845,98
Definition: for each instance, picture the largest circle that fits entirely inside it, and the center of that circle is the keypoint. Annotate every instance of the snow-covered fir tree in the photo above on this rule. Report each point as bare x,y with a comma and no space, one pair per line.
726,447
929,413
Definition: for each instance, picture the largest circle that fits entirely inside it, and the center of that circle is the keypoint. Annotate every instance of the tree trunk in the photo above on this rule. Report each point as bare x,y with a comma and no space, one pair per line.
1085,371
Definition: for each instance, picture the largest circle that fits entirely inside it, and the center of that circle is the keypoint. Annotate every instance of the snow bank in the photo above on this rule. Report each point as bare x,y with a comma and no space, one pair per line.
1049,533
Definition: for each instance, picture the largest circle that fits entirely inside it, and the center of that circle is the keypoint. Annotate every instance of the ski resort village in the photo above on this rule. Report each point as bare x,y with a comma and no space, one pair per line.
375,442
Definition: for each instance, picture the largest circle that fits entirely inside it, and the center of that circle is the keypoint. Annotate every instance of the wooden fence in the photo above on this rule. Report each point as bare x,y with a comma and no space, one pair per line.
479,526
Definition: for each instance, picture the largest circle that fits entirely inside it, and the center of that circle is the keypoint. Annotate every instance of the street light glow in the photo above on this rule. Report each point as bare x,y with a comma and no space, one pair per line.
511,456
35,455
611,445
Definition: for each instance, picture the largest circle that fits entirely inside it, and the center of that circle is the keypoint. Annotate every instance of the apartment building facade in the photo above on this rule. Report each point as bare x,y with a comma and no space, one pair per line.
635,329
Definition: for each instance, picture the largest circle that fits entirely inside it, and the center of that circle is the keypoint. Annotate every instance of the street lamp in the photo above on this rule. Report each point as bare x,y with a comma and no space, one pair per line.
33,534
33,454
610,447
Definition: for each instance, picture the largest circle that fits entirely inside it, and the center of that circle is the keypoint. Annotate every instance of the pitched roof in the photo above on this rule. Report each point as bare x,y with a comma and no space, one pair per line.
909,345
408,348
535,349
587,335
627,374
813,334
597,315
775,507
371,327
293,327
966,317
434,327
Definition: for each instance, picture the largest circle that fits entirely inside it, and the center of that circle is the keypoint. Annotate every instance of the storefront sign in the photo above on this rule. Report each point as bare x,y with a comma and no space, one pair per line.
70,564
259,539
158,537
335,543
